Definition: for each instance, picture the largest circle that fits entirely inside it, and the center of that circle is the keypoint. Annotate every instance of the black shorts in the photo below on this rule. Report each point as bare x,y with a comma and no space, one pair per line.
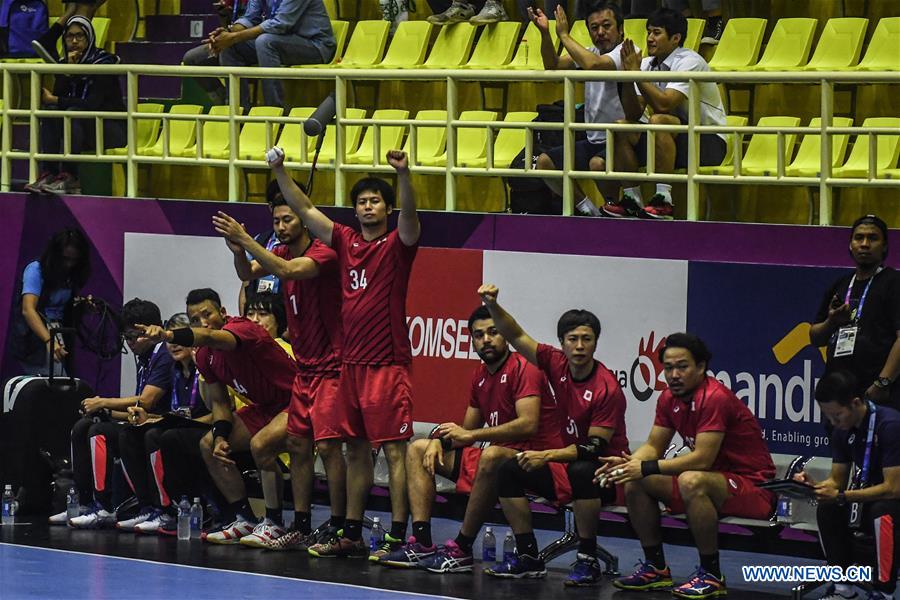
712,150
584,151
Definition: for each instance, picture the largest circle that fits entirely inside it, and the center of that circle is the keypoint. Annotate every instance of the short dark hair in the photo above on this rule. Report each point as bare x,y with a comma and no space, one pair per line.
373,184
274,197
670,20
270,303
875,221
202,295
576,318
479,314
837,386
179,320
143,312
689,342
599,6
53,271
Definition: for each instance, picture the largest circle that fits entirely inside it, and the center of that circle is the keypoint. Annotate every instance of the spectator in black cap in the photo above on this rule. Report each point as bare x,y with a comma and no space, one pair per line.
859,318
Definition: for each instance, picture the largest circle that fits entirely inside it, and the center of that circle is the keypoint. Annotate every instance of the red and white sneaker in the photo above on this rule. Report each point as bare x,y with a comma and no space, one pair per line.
267,531
230,534
659,208
627,208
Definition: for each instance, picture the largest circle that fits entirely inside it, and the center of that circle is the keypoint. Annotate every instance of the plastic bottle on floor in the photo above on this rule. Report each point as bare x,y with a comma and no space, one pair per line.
10,506
196,519
488,546
376,537
184,519
509,546
72,507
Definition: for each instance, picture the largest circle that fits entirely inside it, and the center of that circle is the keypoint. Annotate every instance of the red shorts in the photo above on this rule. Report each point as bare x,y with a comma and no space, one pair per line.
744,499
314,410
256,416
468,467
376,402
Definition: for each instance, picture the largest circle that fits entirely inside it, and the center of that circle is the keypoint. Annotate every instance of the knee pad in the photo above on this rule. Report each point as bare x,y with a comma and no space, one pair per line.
509,480
581,477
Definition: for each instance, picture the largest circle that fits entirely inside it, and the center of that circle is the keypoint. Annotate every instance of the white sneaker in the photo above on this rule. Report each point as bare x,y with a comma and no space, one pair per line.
264,533
457,13
232,533
151,525
145,514
63,517
493,12
97,517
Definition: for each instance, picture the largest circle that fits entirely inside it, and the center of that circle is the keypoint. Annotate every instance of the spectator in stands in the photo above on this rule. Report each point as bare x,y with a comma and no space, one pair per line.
312,294
241,352
45,46
275,34
859,317
139,444
268,239
485,12
95,437
592,411
375,264
601,98
511,407
666,30
229,12
88,92
447,12
48,288
712,11
728,457
864,499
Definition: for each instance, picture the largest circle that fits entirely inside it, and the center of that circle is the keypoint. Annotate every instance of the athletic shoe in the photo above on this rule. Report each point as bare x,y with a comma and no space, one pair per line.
168,525
587,208
659,208
493,12
645,578
96,517
388,545
701,585
63,517
64,183
38,185
831,593
292,540
585,571
340,547
876,595
449,558
267,530
44,53
409,555
519,567
712,33
627,207
145,514
457,13
231,533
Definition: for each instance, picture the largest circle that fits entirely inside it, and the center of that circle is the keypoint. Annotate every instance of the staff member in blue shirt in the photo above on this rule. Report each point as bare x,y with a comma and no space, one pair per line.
275,33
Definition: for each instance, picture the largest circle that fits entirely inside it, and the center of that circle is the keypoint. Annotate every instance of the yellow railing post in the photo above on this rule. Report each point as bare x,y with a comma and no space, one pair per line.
5,141
568,205
34,132
452,115
693,188
340,108
827,106
131,168
234,96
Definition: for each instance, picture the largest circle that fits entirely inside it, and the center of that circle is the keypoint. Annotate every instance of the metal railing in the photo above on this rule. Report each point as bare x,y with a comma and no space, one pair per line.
341,78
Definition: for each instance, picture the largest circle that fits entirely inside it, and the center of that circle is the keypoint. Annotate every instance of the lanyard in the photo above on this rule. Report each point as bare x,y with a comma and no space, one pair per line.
144,370
273,241
272,8
235,10
870,435
192,399
862,299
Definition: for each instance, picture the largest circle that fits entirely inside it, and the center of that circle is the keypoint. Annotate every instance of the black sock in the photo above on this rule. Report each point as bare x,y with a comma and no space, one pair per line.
353,529
276,515
398,530
464,542
655,556
422,532
302,522
337,521
526,544
587,546
710,564
241,508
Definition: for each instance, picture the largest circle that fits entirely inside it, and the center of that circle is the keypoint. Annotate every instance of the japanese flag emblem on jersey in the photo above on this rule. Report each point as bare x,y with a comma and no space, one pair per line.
588,395
503,378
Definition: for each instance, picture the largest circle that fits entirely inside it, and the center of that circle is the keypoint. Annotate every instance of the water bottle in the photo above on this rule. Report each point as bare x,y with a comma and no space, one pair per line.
488,546
184,519
785,509
525,50
377,535
509,546
196,519
10,506
72,506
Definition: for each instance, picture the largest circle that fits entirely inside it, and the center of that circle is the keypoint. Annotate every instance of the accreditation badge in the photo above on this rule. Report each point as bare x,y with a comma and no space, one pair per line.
265,286
846,340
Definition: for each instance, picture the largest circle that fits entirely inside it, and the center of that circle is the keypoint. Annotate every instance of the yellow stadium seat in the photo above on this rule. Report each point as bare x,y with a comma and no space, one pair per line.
808,161
761,155
365,48
340,29
408,46
788,46
694,34
892,173
495,46
839,45
553,37
291,135
887,150
452,47
252,143
731,121
739,46
182,134
508,144
391,137
471,142
636,31
430,141
146,132
351,137
101,30
579,32
883,53
214,135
